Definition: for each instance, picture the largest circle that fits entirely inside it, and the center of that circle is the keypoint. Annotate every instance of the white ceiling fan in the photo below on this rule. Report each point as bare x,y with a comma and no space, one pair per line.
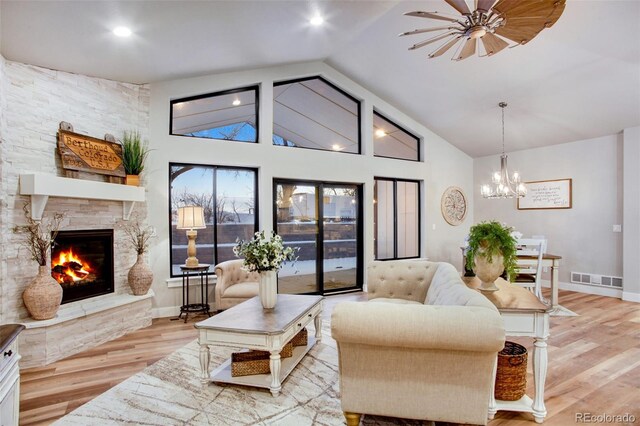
516,20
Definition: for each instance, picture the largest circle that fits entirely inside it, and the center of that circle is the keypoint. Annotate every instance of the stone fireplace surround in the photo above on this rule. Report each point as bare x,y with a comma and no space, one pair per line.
85,323
33,102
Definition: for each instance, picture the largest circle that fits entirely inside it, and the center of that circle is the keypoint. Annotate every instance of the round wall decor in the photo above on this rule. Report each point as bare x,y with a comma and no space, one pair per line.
453,205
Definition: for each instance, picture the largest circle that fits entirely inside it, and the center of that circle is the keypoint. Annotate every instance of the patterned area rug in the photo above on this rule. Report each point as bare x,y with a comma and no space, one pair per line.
169,392
561,311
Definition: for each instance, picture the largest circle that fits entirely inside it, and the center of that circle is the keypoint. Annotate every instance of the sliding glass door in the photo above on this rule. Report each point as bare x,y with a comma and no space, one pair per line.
324,221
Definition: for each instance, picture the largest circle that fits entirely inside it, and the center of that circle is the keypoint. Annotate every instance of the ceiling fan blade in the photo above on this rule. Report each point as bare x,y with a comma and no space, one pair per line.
445,47
484,5
493,44
431,40
527,7
460,6
523,27
425,30
468,49
430,15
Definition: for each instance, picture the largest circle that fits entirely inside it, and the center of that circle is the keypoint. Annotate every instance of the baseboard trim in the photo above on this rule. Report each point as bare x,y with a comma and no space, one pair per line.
588,289
627,296
167,311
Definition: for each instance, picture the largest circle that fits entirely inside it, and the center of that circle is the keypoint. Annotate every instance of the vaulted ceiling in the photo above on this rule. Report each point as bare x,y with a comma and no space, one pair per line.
577,80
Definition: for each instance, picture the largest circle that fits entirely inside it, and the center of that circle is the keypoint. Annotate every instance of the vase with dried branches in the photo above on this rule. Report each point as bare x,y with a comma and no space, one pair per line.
43,295
140,275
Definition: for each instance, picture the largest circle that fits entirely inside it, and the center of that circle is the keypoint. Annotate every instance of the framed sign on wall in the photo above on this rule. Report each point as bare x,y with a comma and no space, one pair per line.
546,194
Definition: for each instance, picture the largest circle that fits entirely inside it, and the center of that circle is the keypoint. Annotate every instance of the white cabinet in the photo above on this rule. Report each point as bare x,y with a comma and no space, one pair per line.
9,375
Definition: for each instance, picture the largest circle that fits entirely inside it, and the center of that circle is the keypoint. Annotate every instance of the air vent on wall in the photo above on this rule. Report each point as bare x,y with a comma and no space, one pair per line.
593,279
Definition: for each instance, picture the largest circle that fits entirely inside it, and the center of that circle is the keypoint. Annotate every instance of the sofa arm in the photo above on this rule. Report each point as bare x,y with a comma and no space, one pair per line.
463,328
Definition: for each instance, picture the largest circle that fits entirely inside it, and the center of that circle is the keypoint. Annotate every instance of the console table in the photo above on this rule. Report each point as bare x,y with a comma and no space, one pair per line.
249,325
551,261
201,271
524,315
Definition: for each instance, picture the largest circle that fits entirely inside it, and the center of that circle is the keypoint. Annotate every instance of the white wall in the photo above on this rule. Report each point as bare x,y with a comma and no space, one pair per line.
582,235
444,165
631,230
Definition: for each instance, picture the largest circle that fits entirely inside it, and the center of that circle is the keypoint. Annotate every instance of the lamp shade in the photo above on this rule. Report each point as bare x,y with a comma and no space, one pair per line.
191,217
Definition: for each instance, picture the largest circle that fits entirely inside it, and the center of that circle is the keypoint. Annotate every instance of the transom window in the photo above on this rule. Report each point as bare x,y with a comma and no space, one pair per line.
229,115
313,113
396,216
392,141
229,198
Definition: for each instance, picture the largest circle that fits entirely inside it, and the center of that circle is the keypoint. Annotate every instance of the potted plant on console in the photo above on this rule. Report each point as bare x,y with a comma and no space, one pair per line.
134,155
491,251
43,295
266,255
140,275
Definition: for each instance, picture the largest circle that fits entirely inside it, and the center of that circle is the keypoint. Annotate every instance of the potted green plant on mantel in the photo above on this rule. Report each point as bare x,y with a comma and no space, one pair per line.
134,155
491,251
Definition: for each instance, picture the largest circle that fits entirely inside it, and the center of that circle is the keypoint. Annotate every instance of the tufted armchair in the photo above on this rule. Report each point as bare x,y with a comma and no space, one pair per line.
423,347
233,284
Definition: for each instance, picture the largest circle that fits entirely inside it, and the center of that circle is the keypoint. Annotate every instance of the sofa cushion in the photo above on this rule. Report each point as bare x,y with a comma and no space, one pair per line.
396,301
406,280
447,288
242,290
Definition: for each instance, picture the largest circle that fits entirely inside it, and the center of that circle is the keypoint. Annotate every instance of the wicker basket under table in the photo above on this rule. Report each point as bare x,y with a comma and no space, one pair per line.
511,375
257,362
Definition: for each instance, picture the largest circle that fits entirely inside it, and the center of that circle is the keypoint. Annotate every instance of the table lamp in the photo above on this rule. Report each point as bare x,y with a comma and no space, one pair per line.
191,218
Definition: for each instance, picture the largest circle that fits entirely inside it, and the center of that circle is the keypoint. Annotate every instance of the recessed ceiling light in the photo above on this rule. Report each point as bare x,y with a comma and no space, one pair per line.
236,102
381,133
336,147
122,31
316,21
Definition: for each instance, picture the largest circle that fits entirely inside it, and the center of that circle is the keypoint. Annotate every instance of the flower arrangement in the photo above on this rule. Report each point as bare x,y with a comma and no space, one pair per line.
488,239
40,235
264,253
139,236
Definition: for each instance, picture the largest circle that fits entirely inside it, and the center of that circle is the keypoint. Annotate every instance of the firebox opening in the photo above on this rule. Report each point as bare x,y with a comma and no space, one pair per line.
82,262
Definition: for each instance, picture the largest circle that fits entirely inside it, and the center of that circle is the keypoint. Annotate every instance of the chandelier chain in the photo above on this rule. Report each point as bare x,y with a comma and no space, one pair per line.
502,130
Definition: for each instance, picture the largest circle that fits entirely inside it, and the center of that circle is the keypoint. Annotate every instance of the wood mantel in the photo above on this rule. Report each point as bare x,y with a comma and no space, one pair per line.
41,186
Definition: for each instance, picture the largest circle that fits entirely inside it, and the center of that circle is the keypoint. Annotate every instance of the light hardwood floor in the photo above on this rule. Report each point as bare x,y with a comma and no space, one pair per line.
594,364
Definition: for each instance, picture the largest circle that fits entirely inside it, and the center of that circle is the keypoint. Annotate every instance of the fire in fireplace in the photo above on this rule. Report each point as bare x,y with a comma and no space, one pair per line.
82,262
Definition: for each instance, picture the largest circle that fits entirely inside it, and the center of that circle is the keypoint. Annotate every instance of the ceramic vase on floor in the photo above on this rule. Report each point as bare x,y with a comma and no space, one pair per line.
140,277
43,295
268,289
488,272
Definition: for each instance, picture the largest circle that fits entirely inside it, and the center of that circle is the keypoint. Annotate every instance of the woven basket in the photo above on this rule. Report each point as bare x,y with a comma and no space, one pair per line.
511,376
255,362
300,339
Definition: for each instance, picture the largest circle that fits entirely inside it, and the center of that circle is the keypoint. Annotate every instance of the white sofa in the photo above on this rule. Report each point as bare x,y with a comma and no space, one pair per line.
423,347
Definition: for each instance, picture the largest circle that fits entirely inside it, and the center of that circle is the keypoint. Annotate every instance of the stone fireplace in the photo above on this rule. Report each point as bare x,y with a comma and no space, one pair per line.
82,262
34,101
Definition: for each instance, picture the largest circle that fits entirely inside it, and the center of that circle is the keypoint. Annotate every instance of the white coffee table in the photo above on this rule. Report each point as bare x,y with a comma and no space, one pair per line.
248,325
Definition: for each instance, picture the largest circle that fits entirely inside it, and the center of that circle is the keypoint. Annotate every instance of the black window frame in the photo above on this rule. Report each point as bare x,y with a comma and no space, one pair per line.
255,88
342,91
215,193
319,184
395,218
394,123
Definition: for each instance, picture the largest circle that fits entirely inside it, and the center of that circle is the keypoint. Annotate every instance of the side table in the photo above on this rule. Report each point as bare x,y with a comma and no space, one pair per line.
201,271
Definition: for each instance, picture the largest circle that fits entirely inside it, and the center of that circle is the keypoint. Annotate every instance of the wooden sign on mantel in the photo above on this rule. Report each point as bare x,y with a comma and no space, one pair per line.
87,154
